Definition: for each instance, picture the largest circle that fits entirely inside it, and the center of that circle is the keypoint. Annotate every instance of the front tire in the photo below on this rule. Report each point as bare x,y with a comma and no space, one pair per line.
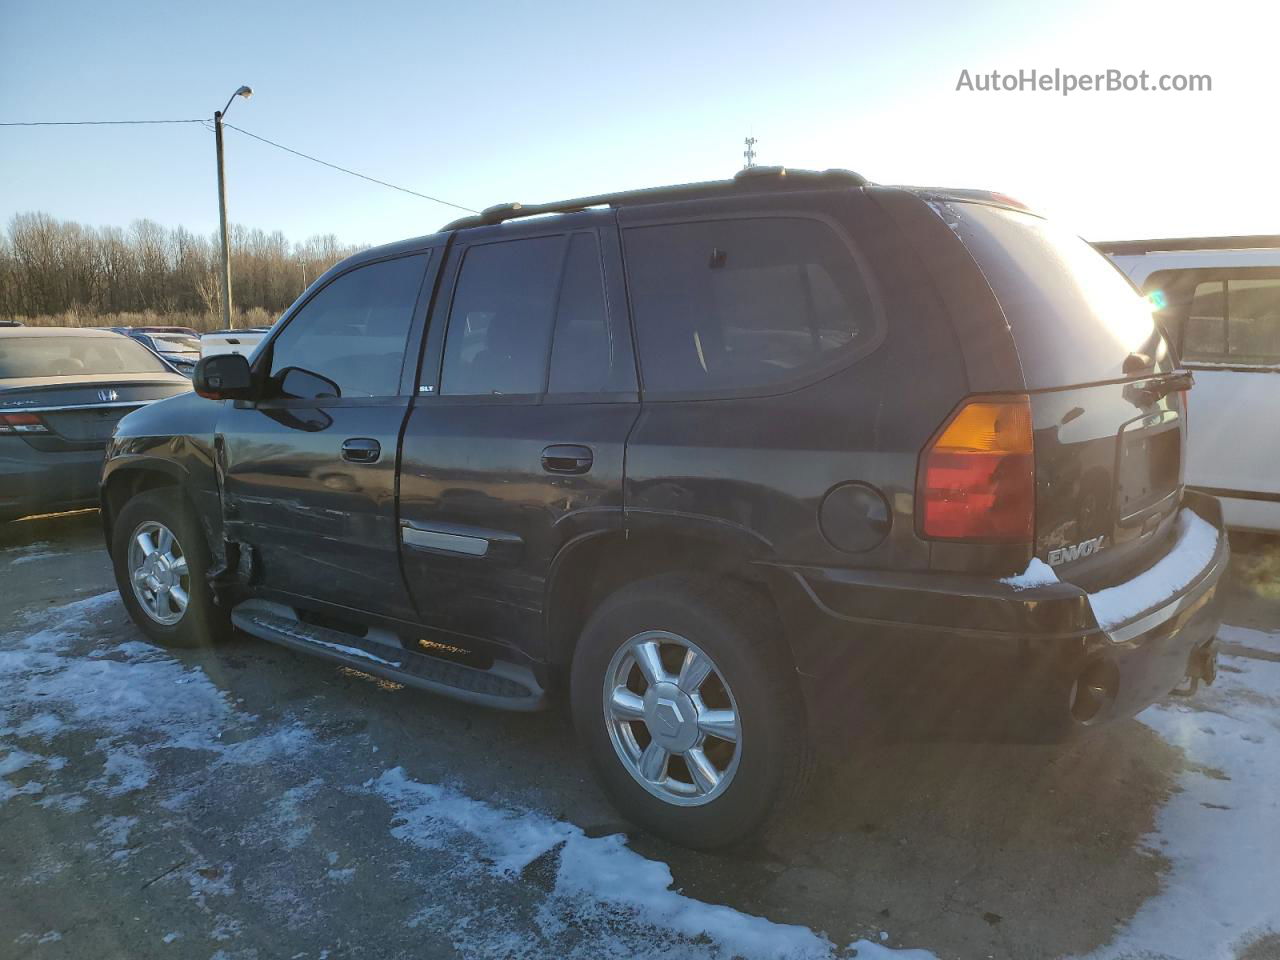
685,699
161,561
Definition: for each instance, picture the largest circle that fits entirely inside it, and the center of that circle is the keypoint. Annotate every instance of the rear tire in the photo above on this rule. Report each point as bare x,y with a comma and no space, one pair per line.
161,560
663,770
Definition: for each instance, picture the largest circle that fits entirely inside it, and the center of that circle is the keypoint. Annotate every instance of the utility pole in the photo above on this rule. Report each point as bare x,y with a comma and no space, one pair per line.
750,152
222,224
245,92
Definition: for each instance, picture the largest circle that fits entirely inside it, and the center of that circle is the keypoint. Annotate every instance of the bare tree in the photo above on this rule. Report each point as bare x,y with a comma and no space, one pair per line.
55,268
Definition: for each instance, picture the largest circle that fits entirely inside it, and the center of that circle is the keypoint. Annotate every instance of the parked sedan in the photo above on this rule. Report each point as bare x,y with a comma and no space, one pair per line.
62,390
177,346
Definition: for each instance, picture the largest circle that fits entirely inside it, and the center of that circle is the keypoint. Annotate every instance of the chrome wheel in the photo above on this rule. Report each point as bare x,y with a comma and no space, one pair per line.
158,572
672,718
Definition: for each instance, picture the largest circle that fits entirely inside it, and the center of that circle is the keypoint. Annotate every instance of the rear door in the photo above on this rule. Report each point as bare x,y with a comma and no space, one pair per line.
1110,424
1226,325
309,471
514,447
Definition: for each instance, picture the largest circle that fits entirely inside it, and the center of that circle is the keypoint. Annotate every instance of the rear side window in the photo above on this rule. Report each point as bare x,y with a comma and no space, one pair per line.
530,316
500,320
1227,317
582,357
722,306
1074,317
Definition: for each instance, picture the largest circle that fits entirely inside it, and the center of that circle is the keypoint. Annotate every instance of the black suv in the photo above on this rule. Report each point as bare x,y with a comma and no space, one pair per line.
736,465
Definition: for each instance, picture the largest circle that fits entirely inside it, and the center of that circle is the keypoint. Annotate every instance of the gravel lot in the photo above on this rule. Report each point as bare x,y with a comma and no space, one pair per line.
251,802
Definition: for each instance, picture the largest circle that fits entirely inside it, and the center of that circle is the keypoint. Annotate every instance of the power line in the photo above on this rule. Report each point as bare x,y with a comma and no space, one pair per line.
87,123
279,146
334,166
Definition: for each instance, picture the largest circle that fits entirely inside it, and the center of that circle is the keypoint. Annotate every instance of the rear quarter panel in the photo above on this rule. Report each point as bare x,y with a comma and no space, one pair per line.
752,471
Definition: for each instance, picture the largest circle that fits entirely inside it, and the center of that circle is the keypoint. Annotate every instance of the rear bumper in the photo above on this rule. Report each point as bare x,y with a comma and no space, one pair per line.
35,481
958,657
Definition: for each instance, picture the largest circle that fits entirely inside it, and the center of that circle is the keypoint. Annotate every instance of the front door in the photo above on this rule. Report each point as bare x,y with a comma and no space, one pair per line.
516,448
309,470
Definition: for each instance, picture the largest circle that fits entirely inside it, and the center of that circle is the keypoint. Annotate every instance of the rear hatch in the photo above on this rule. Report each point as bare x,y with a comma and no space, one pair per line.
1107,402
80,412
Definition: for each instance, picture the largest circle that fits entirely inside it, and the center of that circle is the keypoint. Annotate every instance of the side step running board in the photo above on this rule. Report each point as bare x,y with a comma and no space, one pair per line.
505,686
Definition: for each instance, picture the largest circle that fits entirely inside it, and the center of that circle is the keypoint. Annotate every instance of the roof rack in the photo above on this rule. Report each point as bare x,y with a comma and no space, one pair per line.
1255,242
747,180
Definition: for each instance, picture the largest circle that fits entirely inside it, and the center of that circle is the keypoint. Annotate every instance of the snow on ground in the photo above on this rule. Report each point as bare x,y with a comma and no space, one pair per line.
593,896
1220,831
601,898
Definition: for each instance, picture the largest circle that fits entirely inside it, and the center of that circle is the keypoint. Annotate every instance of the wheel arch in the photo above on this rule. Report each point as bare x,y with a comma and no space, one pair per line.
591,567
124,479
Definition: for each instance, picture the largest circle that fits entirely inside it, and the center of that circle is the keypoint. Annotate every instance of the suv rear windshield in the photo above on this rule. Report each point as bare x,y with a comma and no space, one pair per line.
1075,318
176,342
75,356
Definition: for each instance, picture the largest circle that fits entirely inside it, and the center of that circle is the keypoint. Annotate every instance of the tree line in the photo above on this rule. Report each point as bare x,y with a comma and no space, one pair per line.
52,268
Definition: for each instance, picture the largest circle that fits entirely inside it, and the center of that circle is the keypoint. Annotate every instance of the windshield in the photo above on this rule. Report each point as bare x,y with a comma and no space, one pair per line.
74,356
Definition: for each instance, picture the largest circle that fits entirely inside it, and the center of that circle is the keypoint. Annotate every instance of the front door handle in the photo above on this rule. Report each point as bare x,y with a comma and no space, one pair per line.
361,450
566,458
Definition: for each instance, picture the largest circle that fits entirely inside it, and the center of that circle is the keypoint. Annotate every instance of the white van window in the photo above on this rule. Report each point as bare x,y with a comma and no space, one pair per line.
1229,317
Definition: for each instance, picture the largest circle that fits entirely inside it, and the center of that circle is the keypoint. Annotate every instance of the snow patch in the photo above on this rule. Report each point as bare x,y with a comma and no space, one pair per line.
1193,550
29,557
16,760
115,830
600,870
869,950
1218,828
1037,574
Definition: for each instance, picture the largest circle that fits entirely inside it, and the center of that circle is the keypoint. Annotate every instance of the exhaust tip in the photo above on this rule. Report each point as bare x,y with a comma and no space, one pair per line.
1094,691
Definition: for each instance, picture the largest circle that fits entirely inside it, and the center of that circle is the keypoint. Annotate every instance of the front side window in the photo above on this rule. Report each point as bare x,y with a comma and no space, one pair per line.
1226,317
727,305
352,334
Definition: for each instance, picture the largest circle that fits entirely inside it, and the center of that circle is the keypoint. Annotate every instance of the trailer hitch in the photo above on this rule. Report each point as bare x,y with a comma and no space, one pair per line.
1201,665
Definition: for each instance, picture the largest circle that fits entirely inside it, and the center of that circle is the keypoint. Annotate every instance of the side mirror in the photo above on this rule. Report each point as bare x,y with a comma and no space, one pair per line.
224,376
299,384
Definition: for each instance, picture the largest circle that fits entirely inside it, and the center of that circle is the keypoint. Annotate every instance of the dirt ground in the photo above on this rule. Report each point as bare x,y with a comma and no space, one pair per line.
253,802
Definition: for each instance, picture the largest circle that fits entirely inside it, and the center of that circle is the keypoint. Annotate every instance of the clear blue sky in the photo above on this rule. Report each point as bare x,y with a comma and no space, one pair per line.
487,102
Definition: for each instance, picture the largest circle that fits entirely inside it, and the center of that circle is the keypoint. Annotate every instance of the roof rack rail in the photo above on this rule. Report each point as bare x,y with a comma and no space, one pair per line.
1168,244
746,180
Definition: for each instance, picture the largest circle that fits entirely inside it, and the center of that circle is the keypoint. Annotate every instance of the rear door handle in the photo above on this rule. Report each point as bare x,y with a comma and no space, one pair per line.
361,450
566,458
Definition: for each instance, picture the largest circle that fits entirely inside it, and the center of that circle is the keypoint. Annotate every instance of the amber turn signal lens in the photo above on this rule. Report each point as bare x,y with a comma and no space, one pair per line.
977,476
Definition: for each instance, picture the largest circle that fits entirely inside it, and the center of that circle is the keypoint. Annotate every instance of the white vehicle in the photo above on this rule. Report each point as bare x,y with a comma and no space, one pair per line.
243,341
1218,299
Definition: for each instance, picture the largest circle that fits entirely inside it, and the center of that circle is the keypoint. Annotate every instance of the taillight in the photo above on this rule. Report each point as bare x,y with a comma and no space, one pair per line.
21,423
977,475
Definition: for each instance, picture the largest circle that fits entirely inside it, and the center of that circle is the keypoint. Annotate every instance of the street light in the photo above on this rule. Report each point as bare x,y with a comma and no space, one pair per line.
245,92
